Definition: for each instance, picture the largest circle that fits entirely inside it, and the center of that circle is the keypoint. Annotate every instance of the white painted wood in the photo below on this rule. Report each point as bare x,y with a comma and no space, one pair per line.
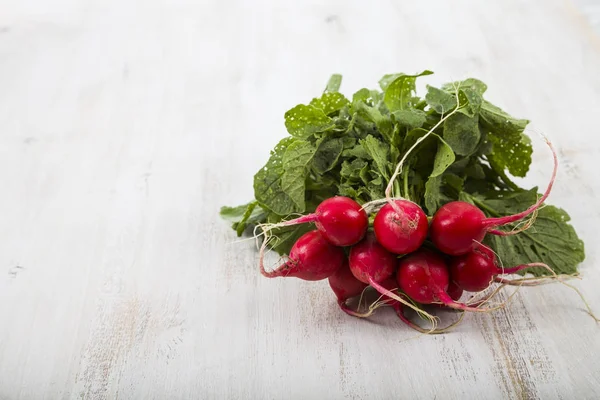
125,125
591,10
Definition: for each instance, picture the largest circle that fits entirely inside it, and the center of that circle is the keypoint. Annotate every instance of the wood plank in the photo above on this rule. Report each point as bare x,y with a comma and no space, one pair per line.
124,126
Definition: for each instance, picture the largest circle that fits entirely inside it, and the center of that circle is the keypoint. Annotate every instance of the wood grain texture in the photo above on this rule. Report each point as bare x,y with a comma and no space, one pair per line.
125,125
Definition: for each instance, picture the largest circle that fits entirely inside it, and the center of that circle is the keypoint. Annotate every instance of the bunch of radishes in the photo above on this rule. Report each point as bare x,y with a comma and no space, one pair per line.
406,257
448,146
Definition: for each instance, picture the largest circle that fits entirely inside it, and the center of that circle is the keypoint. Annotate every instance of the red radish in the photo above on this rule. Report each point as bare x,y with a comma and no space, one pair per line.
423,276
475,271
345,286
341,220
401,226
371,263
457,226
312,258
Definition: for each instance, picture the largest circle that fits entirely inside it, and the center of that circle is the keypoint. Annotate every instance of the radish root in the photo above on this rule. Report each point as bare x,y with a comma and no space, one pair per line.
536,281
434,331
432,319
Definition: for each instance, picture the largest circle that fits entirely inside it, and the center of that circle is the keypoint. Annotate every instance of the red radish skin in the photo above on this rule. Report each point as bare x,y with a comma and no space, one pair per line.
401,226
476,270
454,291
345,286
423,276
341,220
370,262
312,258
458,226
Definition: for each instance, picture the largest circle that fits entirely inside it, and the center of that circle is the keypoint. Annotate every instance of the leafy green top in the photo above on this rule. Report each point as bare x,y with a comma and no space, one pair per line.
350,147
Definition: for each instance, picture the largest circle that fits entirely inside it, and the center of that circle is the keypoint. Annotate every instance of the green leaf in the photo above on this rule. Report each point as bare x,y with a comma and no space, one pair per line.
376,188
399,94
303,121
327,155
470,101
379,152
439,100
330,102
372,114
268,186
433,194
241,226
243,216
363,95
442,189
349,142
499,122
351,170
511,148
385,81
454,182
410,118
293,181
234,214
462,133
334,83
551,239
444,157
511,153
470,83
423,155
470,94
363,128
475,171
357,151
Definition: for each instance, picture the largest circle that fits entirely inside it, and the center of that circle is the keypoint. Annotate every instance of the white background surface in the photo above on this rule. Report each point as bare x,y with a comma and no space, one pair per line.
125,125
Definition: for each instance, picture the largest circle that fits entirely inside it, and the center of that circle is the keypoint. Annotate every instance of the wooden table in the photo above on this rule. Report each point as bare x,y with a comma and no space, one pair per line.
125,125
